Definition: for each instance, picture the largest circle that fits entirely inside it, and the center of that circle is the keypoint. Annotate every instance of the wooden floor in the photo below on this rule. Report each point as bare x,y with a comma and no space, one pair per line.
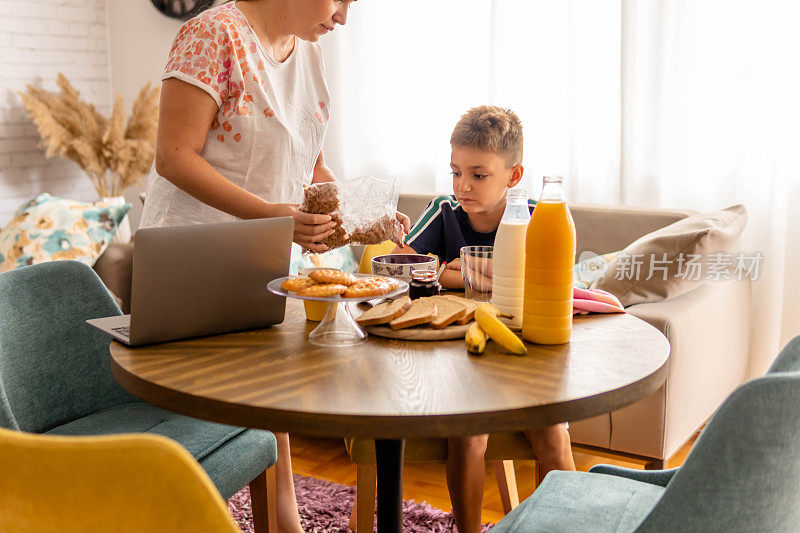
327,459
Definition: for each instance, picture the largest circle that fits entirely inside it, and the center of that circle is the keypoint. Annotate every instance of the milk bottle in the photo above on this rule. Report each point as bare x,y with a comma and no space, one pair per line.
508,270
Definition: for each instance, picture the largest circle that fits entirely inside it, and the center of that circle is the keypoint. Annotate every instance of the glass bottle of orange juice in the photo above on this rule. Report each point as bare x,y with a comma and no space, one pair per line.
549,258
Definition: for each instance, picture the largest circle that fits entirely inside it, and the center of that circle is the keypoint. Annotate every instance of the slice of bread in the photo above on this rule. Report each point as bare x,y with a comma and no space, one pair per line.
471,306
448,310
385,312
422,311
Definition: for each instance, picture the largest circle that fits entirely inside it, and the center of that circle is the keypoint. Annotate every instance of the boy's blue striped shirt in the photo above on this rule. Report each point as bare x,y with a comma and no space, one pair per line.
443,229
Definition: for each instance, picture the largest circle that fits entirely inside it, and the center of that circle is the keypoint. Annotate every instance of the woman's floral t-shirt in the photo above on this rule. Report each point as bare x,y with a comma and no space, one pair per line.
271,122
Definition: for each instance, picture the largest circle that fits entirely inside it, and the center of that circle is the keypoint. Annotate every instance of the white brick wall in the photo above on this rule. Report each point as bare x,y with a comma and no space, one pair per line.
39,39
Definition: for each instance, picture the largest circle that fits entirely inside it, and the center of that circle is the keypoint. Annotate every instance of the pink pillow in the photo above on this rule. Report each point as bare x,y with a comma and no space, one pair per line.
594,301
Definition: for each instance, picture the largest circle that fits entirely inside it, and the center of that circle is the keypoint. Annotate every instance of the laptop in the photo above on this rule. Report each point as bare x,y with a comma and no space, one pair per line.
204,279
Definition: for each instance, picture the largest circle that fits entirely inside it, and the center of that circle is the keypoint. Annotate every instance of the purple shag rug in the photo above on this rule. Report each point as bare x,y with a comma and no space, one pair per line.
325,507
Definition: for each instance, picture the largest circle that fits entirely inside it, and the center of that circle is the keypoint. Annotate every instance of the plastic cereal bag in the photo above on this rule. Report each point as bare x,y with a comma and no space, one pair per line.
364,210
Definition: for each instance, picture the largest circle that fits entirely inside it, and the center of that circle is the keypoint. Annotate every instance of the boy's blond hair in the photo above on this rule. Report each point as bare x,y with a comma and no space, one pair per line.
492,129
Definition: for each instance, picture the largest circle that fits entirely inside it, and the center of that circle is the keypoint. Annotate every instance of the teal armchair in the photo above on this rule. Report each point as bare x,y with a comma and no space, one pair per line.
743,474
55,379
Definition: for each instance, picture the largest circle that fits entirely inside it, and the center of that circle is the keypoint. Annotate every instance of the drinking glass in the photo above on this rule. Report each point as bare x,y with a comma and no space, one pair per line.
476,269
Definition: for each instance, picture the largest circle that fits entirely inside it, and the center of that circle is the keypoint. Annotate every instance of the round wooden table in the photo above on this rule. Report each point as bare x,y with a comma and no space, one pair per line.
388,390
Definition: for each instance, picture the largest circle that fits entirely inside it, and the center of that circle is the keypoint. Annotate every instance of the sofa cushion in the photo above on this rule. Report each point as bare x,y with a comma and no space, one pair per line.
582,501
49,229
604,228
675,259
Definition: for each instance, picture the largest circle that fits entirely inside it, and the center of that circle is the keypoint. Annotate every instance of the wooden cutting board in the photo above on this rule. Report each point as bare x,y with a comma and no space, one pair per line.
416,333
420,333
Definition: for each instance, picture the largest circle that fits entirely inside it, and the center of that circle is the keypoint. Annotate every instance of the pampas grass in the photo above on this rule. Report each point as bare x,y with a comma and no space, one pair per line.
113,153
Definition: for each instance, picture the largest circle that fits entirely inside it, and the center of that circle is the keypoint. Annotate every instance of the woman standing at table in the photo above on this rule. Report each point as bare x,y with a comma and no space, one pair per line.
243,113
244,110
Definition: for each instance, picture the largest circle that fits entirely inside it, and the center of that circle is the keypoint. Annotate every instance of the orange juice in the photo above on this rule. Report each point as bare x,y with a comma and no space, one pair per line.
549,258
315,311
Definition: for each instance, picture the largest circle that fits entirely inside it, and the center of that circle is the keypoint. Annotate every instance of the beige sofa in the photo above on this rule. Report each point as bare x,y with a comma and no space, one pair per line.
707,328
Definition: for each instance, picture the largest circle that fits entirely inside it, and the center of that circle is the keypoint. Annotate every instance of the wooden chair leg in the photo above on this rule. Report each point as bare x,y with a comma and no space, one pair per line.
656,464
263,498
352,524
362,516
506,484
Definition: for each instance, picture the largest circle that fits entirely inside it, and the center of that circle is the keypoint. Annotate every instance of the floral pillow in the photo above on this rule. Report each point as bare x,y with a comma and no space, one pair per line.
51,229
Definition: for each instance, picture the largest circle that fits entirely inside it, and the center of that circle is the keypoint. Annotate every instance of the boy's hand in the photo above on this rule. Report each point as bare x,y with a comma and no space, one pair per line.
455,264
481,279
484,265
451,278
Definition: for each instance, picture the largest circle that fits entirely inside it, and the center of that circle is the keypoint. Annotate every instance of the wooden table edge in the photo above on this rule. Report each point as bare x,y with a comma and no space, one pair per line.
386,426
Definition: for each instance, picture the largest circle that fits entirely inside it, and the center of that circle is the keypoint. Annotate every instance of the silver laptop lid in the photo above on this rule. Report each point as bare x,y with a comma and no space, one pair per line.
206,279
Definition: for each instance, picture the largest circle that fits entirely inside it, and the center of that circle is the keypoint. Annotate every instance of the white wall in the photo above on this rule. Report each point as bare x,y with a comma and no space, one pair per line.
38,39
139,41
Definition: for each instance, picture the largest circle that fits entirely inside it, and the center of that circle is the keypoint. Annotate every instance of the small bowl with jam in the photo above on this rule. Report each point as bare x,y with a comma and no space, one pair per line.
424,283
400,266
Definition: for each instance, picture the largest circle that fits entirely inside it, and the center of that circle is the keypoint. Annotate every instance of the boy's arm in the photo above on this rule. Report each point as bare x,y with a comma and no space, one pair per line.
451,278
425,236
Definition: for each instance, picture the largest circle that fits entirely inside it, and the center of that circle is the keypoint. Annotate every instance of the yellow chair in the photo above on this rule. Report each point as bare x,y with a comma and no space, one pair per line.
373,250
121,483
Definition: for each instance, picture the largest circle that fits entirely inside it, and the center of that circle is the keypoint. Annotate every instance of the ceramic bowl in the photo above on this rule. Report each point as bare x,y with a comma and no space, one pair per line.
400,265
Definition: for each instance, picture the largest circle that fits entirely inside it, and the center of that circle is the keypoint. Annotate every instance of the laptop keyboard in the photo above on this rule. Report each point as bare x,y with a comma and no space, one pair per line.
123,330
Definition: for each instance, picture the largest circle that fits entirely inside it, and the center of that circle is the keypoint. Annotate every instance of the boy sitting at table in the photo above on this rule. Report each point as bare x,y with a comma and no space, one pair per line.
486,157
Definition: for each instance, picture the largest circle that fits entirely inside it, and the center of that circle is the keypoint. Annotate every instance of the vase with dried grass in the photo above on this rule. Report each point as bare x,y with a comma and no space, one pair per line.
113,153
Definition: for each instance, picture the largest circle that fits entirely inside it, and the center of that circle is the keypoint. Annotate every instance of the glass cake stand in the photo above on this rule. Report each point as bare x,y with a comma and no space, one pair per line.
338,328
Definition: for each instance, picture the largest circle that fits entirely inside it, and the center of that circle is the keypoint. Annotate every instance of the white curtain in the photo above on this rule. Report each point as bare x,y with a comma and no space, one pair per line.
402,76
654,103
710,118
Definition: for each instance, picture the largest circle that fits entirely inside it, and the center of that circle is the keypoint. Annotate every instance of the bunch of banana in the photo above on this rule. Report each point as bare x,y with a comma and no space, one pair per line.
476,339
487,322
